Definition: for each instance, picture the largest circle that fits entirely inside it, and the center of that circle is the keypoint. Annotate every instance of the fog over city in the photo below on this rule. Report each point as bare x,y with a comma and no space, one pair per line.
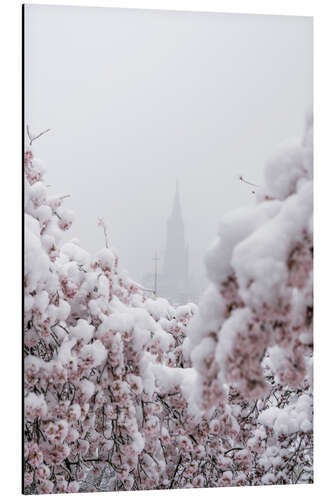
137,100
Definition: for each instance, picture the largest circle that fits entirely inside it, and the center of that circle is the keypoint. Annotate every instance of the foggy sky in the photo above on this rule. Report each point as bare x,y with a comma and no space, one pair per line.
137,99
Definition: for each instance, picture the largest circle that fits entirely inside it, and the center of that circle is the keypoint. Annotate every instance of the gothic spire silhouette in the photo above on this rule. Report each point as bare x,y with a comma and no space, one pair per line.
176,252
176,208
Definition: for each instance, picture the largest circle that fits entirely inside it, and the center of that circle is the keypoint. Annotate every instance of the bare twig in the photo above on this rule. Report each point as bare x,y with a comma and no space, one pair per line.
241,178
233,449
101,222
34,137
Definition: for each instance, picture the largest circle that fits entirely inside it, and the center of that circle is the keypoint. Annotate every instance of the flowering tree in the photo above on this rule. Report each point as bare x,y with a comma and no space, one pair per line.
253,333
125,392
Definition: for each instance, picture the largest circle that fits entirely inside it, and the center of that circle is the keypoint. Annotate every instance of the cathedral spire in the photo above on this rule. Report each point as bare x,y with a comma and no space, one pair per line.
173,281
176,208
176,252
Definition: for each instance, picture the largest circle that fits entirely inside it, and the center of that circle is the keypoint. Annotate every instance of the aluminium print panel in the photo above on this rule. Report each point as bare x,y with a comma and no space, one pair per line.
167,250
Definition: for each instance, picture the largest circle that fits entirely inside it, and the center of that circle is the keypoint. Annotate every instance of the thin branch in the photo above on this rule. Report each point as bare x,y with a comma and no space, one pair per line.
254,407
233,449
34,137
101,222
299,476
241,178
176,470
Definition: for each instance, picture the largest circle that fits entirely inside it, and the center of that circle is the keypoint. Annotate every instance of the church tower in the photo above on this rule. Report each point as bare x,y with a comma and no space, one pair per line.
175,271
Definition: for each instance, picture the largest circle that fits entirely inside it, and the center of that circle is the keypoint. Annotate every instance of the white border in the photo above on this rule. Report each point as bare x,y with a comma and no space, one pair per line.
282,7
10,199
